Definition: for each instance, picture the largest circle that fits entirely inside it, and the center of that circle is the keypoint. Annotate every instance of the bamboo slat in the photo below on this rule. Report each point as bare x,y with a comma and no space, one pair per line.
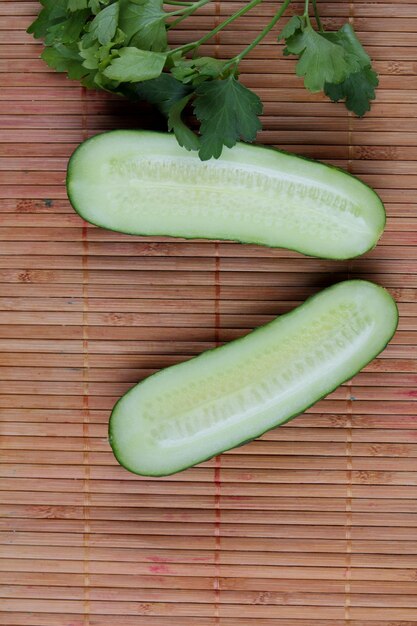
315,524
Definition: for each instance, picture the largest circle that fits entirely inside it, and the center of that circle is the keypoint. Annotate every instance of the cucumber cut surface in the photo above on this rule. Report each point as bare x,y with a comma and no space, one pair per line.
144,183
227,396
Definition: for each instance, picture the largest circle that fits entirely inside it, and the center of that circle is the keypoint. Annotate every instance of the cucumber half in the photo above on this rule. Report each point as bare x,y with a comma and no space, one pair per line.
144,183
224,397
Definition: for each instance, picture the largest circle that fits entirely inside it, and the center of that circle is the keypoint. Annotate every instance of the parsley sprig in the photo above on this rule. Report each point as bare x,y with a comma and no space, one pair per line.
122,46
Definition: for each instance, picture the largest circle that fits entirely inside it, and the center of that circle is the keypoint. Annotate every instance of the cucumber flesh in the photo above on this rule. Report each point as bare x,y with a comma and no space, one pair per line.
144,183
192,411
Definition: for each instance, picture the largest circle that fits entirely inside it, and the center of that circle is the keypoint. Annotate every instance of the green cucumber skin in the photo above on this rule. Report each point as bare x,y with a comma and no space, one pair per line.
117,454
253,241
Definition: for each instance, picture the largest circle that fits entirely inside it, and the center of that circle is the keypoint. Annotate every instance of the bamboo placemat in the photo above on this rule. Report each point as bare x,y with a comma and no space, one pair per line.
313,525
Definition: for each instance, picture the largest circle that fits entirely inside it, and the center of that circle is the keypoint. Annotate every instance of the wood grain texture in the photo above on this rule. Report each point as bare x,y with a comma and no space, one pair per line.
315,524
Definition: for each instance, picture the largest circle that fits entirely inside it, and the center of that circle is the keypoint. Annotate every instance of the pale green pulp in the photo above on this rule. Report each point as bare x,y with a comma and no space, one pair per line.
143,183
190,412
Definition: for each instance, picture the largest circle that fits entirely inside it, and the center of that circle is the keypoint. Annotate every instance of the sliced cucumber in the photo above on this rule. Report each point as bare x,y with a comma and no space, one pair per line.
143,183
190,412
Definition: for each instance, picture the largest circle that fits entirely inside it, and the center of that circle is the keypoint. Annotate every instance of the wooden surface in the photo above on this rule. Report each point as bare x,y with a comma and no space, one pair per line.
313,525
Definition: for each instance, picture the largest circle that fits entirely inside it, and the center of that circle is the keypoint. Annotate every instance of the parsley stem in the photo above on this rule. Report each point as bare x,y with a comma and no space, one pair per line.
306,13
178,2
236,60
228,21
186,12
196,44
317,16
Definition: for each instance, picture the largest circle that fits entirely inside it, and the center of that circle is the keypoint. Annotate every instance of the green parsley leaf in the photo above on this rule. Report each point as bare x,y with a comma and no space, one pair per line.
227,111
163,91
53,12
334,62
196,71
67,31
346,37
101,82
133,65
99,57
184,71
90,56
143,22
65,59
320,62
357,90
117,40
77,5
104,25
185,136
291,27
96,5
209,67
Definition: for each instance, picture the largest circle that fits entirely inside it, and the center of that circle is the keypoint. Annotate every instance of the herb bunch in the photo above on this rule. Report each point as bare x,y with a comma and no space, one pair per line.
121,46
